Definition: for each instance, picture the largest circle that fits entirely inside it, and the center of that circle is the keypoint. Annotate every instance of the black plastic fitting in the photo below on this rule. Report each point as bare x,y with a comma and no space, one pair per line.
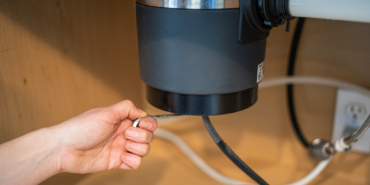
250,18
275,12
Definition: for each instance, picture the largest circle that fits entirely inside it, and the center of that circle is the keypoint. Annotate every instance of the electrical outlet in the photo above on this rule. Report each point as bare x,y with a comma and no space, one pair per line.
351,111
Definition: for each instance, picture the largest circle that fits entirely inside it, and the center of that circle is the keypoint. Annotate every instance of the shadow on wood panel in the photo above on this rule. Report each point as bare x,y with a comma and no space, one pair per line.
99,36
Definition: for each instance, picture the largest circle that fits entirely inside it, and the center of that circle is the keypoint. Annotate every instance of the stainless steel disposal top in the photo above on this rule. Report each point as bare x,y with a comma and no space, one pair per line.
192,4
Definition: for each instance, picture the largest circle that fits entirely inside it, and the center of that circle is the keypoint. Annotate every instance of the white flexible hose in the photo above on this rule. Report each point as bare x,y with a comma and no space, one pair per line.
164,134
314,173
316,81
268,83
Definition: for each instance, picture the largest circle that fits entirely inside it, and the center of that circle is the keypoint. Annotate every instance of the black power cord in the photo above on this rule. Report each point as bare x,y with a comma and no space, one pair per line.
290,94
229,153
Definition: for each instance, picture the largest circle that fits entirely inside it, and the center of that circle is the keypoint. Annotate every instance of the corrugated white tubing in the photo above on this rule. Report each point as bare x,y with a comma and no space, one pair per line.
346,10
268,83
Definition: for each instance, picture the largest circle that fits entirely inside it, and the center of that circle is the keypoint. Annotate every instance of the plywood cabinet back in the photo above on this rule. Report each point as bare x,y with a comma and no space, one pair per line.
60,58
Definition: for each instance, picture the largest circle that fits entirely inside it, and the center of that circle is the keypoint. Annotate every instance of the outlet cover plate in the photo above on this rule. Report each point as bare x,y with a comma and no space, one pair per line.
351,110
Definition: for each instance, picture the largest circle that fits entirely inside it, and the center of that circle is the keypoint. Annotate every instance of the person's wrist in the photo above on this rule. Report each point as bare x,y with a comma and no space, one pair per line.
55,149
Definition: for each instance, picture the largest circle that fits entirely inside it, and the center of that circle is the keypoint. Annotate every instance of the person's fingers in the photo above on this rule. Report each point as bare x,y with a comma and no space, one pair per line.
125,109
149,124
139,135
124,166
131,160
137,148
123,126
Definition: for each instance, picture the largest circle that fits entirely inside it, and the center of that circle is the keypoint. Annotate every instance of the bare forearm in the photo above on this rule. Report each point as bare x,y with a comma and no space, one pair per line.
29,159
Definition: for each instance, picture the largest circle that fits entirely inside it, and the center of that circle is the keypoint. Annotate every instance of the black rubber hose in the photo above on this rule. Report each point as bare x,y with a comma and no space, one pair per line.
290,94
229,153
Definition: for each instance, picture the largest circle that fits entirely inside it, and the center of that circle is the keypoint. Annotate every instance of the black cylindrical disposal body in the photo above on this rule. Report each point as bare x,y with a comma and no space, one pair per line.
192,61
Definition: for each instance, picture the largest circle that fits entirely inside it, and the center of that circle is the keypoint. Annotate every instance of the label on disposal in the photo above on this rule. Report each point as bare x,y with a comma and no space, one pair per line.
260,71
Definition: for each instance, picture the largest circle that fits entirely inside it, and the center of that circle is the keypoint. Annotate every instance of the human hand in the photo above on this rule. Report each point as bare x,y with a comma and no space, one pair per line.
103,138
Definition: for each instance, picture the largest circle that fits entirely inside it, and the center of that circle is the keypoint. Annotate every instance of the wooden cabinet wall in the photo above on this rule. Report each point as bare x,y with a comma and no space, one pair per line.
61,58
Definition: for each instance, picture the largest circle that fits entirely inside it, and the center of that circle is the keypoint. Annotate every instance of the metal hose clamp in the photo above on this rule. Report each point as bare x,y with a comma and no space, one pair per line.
136,122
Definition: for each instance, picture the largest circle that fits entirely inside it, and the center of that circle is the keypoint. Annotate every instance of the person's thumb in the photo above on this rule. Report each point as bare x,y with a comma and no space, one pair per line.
126,109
